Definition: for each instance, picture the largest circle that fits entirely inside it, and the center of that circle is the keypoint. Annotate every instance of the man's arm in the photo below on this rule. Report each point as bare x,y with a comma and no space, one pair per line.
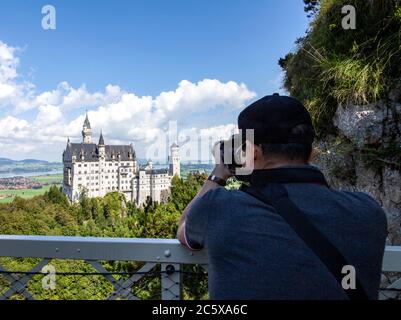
219,171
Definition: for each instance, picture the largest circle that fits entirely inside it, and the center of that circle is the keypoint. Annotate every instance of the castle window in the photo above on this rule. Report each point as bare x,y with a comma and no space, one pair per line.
79,165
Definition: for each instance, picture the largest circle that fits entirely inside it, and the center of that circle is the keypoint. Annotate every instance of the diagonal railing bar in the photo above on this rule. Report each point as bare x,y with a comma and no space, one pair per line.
98,266
390,292
122,287
116,284
18,283
126,285
10,279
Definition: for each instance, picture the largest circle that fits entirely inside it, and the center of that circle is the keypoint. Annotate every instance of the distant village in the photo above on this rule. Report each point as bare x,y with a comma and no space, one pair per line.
19,183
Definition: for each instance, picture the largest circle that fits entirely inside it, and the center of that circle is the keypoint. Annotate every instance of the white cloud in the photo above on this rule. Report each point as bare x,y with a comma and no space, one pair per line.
196,144
11,127
13,92
208,93
6,90
8,71
123,116
48,116
8,62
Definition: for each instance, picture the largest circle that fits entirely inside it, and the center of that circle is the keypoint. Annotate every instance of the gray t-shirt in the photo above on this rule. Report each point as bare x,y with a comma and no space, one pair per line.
255,254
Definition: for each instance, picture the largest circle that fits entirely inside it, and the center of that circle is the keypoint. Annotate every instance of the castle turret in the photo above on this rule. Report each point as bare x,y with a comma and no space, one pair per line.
149,165
87,131
174,160
101,147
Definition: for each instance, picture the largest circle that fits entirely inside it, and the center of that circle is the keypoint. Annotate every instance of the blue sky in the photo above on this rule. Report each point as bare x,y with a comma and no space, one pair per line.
141,48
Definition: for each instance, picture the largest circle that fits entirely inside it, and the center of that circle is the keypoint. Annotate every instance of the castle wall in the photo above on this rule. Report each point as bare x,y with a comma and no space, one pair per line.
101,177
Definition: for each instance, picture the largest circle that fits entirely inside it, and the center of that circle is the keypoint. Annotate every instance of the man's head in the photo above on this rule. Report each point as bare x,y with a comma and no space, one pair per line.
283,131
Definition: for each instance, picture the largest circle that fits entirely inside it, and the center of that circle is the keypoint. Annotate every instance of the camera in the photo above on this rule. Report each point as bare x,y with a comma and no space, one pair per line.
232,152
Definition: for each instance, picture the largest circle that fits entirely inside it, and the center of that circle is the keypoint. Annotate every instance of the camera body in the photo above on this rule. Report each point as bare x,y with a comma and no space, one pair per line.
232,152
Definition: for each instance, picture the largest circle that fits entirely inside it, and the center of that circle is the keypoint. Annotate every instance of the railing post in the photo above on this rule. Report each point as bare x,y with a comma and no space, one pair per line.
171,281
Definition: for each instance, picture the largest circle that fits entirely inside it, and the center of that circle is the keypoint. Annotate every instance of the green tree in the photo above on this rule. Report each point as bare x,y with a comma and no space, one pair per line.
183,191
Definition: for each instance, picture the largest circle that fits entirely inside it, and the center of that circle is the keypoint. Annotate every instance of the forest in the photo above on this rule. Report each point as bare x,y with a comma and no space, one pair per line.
110,216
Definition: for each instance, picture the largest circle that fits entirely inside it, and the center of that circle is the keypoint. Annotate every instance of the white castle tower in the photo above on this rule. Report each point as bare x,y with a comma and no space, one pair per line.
87,131
174,160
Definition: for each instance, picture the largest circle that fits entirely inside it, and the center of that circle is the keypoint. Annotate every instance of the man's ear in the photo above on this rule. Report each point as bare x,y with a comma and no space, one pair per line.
312,155
257,152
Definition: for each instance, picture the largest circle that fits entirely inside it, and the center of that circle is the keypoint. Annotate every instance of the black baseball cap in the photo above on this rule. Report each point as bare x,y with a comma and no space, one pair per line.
273,119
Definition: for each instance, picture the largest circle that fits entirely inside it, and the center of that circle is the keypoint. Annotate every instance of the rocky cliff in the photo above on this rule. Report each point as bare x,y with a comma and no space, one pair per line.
365,154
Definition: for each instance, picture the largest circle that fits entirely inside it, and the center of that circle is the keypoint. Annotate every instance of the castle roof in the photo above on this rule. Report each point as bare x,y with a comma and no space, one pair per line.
90,152
101,140
87,124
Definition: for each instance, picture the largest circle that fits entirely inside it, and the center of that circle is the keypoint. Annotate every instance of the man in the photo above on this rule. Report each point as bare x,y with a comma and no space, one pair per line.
255,249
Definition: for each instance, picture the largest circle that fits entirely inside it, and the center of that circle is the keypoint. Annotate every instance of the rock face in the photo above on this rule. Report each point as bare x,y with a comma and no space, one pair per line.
361,124
347,165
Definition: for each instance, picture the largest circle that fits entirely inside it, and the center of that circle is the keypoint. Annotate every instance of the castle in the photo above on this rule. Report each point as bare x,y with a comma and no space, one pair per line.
99,169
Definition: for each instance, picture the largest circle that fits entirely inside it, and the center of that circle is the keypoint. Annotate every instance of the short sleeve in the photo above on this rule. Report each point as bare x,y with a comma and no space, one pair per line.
196,224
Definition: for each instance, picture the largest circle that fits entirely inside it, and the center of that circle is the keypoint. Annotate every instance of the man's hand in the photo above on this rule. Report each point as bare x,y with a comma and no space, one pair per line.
220,170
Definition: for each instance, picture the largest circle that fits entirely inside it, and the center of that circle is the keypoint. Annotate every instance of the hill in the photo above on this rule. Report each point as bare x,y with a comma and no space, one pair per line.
28,165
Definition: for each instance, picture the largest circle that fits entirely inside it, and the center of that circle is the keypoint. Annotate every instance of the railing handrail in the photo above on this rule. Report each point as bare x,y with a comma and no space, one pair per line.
125,249
392,259
168,252
97,248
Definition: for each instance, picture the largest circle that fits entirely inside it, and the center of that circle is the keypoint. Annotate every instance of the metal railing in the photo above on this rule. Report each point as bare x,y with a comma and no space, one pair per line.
160,258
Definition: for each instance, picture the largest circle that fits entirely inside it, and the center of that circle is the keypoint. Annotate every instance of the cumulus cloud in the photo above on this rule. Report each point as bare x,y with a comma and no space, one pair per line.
11,127
123,116
13,92
207,93
8,62
8,71
196,144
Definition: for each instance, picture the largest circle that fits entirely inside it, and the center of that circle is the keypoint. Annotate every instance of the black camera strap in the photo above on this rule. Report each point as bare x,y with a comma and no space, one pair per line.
305,229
